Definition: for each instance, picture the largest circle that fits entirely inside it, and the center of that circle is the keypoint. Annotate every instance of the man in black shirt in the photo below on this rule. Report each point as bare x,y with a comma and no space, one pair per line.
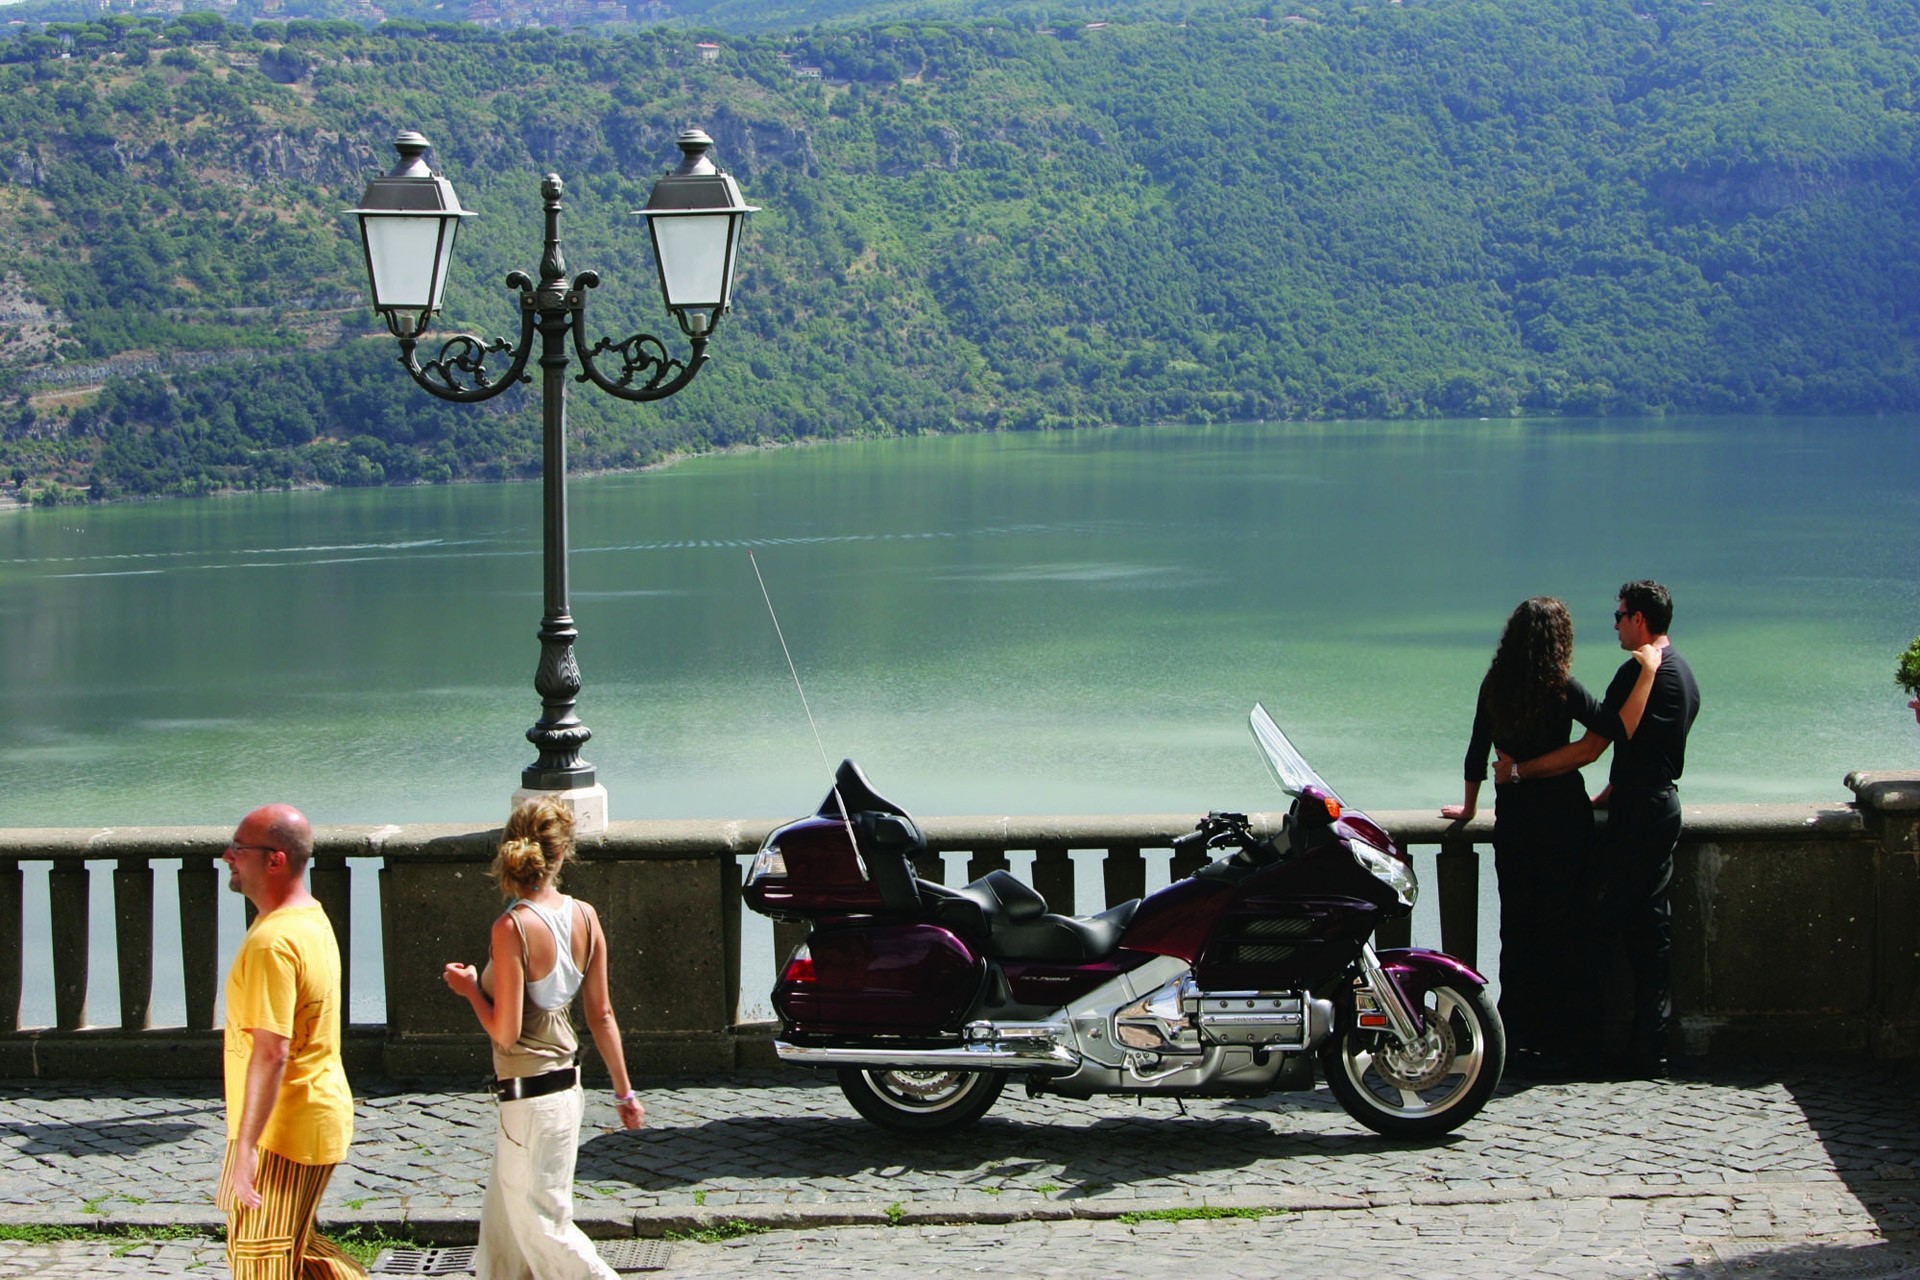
1642,801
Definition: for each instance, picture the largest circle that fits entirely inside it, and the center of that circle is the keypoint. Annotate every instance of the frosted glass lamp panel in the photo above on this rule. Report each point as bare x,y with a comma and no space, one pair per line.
408,258
696,258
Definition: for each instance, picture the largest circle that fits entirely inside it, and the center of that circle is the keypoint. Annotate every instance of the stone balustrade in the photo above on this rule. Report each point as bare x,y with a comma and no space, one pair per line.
1796,927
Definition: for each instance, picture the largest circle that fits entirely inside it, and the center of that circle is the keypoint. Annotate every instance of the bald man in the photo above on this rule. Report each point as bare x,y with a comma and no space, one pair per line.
289,1110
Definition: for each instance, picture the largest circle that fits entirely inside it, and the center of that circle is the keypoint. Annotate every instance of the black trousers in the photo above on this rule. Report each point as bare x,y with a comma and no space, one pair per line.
1542,844
1635,863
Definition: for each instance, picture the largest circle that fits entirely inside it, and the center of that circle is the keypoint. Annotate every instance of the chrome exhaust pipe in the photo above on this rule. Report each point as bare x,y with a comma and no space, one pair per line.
1002,1056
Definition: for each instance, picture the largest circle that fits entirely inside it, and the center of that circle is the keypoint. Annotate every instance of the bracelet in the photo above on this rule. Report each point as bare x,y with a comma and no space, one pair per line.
622,1099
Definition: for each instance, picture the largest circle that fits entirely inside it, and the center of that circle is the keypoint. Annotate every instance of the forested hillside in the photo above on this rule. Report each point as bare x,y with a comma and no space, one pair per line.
1344,210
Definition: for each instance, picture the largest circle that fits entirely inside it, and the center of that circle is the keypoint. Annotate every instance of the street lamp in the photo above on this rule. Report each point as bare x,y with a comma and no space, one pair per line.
409,219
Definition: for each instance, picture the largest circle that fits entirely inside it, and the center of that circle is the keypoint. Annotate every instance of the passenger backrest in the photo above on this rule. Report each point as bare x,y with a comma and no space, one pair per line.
888,842
886,835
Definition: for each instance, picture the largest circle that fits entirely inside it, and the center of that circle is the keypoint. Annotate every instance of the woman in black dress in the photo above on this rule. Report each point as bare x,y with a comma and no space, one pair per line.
1542,828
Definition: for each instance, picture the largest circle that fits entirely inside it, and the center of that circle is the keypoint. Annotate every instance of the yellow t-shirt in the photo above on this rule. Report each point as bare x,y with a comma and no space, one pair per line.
286,979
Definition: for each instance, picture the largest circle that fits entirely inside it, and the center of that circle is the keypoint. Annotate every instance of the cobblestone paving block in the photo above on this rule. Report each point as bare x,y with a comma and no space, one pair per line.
1733,1167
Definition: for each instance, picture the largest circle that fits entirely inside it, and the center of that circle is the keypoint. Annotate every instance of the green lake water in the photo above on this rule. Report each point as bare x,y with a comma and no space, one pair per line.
1062,623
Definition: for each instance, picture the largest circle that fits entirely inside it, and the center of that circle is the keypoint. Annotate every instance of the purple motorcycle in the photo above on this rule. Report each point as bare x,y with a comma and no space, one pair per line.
1228,983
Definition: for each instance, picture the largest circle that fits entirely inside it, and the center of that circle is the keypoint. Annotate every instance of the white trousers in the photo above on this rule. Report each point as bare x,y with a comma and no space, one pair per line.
526,1225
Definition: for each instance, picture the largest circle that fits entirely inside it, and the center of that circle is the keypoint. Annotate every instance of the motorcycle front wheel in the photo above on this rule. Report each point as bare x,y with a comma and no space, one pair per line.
1428,1088
921,1101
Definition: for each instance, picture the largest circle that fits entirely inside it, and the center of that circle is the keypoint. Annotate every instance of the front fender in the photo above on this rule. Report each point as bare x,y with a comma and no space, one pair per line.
1416,971
1412,973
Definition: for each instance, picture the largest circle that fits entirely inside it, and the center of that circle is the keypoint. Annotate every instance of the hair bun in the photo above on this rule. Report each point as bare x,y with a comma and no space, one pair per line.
537,839
523,859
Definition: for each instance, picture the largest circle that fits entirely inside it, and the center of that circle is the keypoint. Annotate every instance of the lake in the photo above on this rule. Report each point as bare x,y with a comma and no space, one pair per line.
1071,623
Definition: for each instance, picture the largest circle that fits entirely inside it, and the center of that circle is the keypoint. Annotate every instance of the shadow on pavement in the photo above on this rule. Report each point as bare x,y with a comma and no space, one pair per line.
1867,1117
100,1138
801,1148
1880,1260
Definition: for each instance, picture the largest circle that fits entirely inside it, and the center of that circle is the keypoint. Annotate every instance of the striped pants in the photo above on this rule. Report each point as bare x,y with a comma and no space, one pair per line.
277,1241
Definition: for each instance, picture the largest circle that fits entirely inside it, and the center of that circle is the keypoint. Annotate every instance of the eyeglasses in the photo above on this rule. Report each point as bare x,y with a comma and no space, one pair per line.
234,846
1621,615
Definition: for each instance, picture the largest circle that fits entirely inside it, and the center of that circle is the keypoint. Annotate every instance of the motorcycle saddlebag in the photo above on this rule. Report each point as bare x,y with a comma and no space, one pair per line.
880,979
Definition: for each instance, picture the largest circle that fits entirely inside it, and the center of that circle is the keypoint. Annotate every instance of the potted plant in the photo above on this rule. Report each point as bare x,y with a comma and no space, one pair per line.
1907,674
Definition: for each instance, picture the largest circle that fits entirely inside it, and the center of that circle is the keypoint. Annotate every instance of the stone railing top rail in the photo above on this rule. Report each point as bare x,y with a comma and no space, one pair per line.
1879,789
681,837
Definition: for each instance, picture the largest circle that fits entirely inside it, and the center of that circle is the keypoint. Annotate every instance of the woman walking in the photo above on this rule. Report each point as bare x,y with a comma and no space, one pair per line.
1542,828
544,949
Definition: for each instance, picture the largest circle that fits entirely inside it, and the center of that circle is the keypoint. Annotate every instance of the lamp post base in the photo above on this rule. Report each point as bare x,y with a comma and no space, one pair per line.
589,806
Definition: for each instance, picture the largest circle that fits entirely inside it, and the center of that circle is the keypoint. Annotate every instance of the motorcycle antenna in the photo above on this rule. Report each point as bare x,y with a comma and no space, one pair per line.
845,821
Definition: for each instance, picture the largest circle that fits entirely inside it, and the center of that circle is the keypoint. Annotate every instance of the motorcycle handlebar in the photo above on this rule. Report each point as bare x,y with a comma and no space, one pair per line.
1215,829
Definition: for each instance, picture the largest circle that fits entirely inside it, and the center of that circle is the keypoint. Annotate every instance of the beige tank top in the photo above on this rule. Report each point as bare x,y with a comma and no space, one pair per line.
547,1041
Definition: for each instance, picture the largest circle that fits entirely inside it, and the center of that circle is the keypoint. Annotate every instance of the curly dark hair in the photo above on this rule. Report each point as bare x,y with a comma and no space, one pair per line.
1528,674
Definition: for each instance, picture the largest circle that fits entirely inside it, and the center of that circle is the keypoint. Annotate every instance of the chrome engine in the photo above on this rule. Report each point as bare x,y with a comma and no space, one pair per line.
1178,1037
1149,1029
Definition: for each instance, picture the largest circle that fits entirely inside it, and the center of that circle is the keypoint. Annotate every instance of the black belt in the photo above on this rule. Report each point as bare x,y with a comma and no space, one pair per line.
516,1087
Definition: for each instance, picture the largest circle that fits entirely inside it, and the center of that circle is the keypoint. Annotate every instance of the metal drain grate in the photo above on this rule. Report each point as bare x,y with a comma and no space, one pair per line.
425,1262
621,1255
636,1255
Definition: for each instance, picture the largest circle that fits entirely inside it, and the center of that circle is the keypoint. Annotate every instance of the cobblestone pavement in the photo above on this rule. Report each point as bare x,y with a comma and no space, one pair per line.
1807,1168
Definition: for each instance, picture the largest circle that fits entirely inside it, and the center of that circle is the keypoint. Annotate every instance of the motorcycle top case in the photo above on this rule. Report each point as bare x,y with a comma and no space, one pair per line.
871,978
809,868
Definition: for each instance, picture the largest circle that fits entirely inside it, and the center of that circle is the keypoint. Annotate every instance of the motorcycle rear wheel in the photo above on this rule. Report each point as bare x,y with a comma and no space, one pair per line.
921,1101
1428,1089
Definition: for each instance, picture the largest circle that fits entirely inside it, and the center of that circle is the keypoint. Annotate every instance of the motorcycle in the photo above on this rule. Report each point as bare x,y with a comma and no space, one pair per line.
1230,982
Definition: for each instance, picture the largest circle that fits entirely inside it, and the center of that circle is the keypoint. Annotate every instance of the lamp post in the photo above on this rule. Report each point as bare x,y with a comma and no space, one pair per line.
409,219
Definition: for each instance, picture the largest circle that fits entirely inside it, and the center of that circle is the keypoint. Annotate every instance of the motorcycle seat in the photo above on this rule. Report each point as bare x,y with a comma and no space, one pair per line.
1063,939
992,902
1005,900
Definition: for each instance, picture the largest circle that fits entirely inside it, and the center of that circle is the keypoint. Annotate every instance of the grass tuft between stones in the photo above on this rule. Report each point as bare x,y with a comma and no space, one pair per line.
1207,1212
362,1243
49,1233
719,1232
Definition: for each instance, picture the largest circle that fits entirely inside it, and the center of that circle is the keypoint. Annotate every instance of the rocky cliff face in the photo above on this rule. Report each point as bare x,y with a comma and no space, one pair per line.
29,331
1759,189
323,159
745,145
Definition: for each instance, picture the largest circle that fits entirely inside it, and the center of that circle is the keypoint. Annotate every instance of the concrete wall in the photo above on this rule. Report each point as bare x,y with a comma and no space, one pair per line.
668,896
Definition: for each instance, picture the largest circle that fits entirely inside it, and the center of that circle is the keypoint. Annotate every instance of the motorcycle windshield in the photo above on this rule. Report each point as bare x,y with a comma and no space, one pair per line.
1289,768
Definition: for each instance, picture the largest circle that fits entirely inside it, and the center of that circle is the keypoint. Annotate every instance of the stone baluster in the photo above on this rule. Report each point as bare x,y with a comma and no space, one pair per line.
986,858
733,878
133,940
1125,872
1053,877
199,881
331,881
1457,869
68,885
785,938
1394,933
1187,861
394,989
12,941
929,865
